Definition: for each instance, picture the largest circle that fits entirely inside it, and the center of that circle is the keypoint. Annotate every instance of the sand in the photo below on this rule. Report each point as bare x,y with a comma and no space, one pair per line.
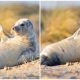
66,71
31,70
28,70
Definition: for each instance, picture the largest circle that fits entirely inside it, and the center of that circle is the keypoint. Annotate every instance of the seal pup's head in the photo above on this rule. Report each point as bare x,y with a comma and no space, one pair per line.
49,56
50,60
23,27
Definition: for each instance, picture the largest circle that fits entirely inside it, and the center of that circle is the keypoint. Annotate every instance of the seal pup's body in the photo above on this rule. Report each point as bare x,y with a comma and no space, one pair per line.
67,50
19,49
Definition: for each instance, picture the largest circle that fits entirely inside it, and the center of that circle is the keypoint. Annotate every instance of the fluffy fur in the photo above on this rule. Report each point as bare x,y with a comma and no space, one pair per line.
67,50
3,36
22,47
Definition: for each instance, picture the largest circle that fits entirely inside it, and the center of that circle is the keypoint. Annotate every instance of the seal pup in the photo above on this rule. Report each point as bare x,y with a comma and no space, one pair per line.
67,50
20,48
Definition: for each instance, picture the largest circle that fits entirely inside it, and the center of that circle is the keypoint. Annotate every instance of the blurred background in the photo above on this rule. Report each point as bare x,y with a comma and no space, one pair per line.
59,19
11,11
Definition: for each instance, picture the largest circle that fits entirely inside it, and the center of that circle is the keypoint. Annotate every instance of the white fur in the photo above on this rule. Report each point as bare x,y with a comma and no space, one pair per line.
17,49
68,50
3,37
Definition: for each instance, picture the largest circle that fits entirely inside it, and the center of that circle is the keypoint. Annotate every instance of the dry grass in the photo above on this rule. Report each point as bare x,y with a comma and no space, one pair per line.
10,13
60,23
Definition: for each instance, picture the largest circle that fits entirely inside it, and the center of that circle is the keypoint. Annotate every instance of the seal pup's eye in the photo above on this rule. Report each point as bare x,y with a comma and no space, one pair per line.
21,24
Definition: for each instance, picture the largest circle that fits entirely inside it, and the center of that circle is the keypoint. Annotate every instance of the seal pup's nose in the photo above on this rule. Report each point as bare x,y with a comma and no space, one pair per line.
53,61
16,28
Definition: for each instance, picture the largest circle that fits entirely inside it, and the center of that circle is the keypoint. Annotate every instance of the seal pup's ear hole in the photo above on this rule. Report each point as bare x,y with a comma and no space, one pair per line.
76,34
29,23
